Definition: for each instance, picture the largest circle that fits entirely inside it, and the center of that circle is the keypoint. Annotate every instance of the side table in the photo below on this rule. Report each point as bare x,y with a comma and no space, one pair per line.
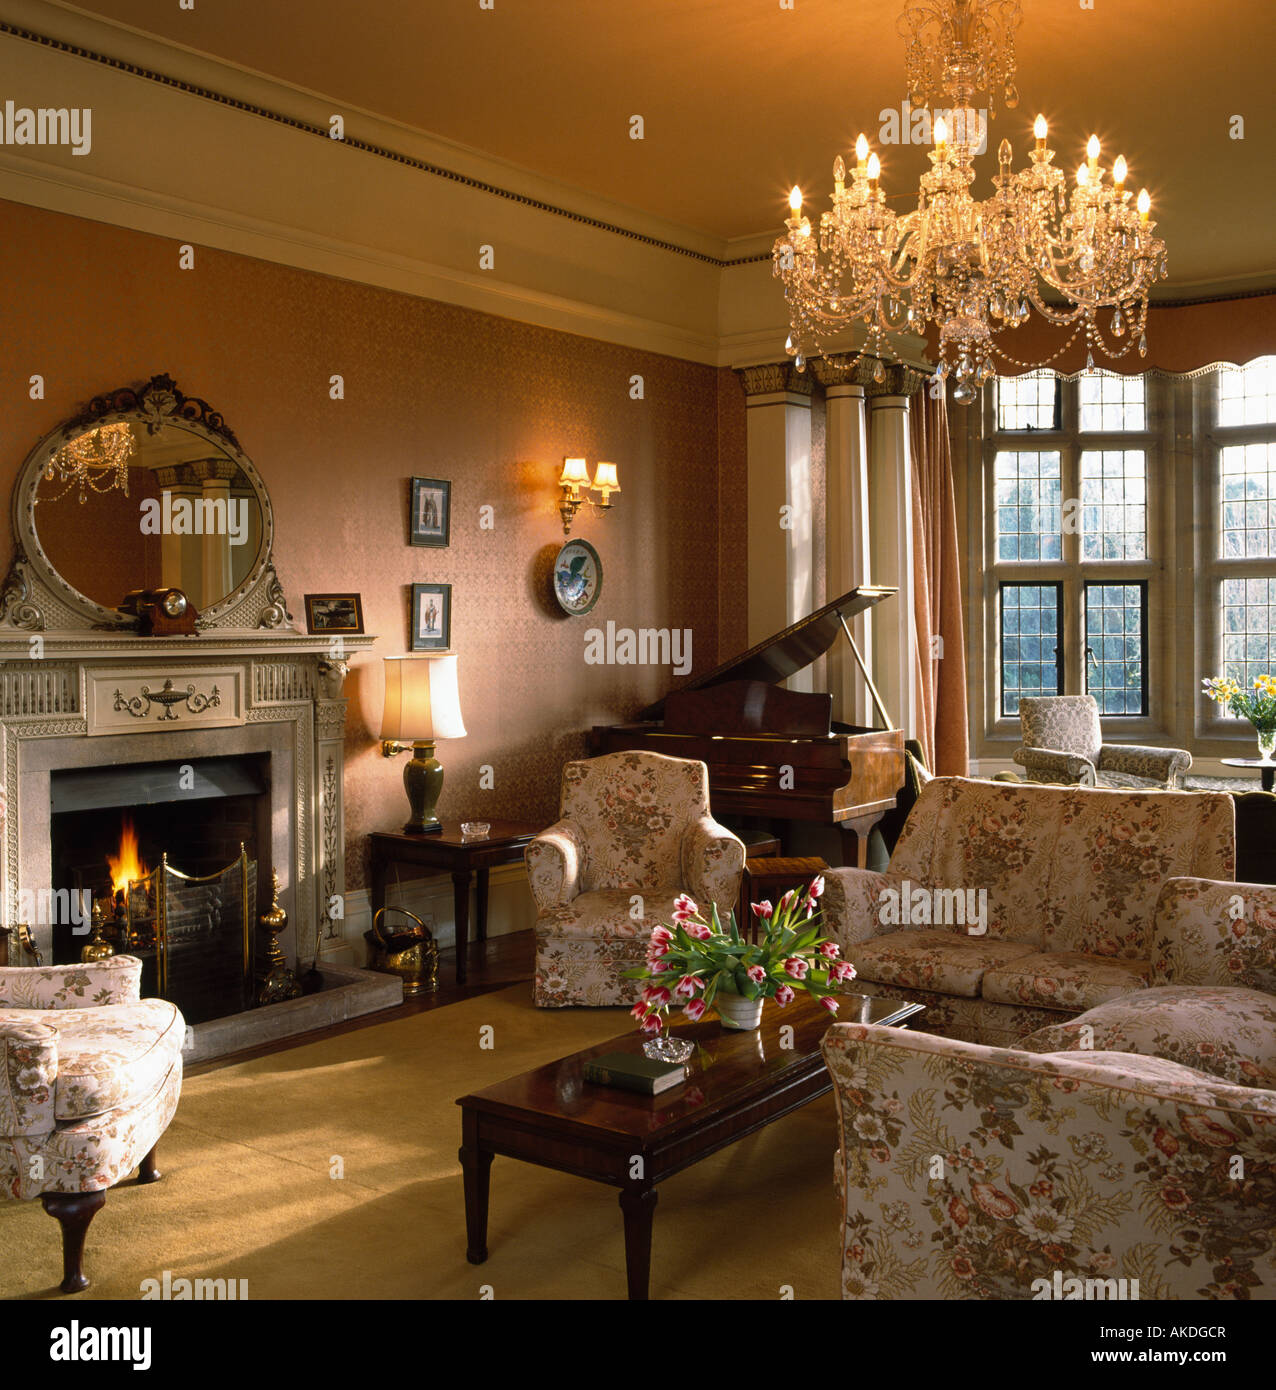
466,858
1266,770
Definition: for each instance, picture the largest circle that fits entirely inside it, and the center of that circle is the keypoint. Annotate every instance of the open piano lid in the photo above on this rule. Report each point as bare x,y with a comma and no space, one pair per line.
779,657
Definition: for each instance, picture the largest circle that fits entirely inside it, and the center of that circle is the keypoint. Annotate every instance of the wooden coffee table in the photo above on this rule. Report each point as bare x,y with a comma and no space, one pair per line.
736,1084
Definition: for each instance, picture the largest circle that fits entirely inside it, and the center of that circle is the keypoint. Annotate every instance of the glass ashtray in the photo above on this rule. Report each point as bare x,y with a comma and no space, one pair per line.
475,829
666,1048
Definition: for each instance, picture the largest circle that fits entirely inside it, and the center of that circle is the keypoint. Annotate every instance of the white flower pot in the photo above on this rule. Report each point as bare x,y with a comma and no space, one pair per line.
737,1012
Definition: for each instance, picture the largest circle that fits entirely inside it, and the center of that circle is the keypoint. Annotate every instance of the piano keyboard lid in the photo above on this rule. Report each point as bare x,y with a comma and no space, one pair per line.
777,658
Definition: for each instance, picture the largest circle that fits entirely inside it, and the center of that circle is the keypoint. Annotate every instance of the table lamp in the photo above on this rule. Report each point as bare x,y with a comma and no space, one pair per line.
422,704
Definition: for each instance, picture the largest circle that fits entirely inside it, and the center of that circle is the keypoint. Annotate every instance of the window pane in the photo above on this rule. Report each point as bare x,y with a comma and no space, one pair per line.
1116,658
1114,504
1249,629
1247,395
1111,402
1029,506
1248,522
1030,621
1028,402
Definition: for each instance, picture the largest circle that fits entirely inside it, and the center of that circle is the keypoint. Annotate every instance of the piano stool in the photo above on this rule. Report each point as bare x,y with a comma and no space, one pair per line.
769,878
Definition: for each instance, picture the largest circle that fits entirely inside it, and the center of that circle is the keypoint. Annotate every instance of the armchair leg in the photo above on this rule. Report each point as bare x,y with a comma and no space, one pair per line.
73,1212
146,1170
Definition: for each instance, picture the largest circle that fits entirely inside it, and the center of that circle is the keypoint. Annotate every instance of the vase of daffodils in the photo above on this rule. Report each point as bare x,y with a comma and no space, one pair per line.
1258,706
697,963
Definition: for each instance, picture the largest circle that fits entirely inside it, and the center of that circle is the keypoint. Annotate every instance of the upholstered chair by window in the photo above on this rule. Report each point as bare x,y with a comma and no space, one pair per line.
1063,742
90,1075
635,832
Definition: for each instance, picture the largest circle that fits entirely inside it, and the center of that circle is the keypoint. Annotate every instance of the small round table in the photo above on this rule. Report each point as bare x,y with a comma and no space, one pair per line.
1266,770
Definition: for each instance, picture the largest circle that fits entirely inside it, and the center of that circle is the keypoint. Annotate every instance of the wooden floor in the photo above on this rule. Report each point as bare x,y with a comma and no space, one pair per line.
495,964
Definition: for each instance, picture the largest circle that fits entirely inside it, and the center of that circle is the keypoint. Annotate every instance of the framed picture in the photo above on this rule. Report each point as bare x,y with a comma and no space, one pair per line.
430,522
334,613
431,617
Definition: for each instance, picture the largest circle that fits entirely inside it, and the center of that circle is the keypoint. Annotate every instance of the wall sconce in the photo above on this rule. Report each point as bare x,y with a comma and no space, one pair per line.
574,482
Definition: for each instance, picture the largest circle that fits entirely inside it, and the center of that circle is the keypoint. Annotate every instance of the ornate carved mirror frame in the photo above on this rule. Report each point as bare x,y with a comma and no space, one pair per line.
36,598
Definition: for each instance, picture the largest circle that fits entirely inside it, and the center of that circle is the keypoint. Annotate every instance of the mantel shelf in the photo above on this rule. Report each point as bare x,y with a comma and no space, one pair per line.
116,646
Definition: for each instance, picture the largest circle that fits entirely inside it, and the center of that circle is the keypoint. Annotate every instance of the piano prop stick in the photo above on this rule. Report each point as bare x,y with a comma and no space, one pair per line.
778,754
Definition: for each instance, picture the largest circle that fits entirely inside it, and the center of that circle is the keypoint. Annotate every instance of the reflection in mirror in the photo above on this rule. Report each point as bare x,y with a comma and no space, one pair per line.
119,508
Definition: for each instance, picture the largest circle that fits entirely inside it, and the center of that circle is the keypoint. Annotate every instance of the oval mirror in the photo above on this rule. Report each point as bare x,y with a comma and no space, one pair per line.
118,508
147,489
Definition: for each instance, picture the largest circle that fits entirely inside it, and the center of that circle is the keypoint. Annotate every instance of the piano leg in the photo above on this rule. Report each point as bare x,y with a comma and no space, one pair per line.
855,834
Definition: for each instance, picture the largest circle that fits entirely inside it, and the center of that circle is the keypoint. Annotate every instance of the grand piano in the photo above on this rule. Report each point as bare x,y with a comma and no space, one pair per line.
778,754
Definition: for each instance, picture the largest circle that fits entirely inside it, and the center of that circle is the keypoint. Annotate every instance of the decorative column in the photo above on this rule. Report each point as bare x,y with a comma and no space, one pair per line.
214,477
176,569
330,828
891,510
781,586
847,550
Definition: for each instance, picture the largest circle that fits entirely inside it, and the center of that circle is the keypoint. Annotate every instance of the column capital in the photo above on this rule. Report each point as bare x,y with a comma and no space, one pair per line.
900,380
772,378
209,470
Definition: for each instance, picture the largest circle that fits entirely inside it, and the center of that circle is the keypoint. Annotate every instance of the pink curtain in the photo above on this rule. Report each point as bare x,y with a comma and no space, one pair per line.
941,646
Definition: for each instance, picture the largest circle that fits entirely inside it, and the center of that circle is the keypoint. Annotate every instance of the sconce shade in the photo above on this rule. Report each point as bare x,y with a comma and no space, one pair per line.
575,473
422,701
605,479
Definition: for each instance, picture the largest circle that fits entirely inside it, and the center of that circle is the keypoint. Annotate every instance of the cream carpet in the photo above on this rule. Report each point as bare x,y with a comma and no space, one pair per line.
249,1192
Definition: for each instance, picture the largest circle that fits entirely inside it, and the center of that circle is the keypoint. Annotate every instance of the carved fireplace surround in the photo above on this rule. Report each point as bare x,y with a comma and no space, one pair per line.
79,687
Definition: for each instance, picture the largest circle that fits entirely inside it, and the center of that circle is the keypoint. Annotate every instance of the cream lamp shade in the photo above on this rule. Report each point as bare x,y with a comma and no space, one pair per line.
605,479
575,474
422,701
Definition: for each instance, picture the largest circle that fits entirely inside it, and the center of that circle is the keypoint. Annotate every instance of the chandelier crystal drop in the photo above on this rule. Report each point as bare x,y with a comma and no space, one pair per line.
96,461
974,269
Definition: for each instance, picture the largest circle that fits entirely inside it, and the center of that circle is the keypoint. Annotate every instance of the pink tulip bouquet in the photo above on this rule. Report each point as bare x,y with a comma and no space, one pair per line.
691,961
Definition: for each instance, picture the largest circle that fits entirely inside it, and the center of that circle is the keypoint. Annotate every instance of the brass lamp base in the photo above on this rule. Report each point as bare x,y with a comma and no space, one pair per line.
423,782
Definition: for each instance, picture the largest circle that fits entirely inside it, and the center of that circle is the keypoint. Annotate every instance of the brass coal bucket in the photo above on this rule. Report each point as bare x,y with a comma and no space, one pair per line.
412,953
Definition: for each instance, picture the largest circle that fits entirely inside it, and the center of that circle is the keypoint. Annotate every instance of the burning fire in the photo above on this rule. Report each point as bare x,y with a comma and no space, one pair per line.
128,865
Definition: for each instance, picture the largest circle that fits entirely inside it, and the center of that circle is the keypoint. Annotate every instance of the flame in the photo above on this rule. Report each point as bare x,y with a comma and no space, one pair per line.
129,864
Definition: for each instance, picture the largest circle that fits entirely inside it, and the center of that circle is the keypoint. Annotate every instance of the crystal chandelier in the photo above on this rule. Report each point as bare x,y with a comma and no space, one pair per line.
97,460
975,269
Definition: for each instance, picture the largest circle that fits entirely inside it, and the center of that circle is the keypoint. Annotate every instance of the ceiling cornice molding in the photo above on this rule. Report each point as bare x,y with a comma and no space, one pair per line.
126,50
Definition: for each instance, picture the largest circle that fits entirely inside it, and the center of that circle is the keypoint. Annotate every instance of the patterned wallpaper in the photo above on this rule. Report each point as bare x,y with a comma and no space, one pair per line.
434,390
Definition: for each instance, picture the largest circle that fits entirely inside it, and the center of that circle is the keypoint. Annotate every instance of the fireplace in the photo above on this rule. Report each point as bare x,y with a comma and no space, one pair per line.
111,827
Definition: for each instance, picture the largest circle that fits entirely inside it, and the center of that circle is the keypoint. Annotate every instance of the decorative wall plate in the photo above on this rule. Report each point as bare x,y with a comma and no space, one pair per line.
578,577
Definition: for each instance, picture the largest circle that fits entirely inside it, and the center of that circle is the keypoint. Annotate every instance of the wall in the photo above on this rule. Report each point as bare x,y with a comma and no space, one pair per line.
430,389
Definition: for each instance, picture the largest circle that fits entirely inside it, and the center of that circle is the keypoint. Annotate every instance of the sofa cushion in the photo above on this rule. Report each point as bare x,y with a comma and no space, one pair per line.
1065,980
1230,1033
933,960
108,1057
1113,853
996,836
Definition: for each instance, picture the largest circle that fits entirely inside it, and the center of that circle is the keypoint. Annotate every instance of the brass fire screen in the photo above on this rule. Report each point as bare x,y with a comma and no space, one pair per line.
200,929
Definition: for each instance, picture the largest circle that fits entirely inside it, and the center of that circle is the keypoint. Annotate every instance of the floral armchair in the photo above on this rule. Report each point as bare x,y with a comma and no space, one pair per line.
1063,742
90,1075
635,832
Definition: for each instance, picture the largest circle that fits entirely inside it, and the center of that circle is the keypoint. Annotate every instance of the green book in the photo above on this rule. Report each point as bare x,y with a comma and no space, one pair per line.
633,1072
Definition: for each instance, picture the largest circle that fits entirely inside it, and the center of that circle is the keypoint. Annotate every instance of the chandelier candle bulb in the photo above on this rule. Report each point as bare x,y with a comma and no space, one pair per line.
1145,204
1040,130
1092,151
1120,171
874,171
861,152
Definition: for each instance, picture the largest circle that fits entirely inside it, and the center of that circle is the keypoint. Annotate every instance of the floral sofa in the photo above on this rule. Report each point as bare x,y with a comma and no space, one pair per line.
1065,879
635,832
90,1075
1136,1142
